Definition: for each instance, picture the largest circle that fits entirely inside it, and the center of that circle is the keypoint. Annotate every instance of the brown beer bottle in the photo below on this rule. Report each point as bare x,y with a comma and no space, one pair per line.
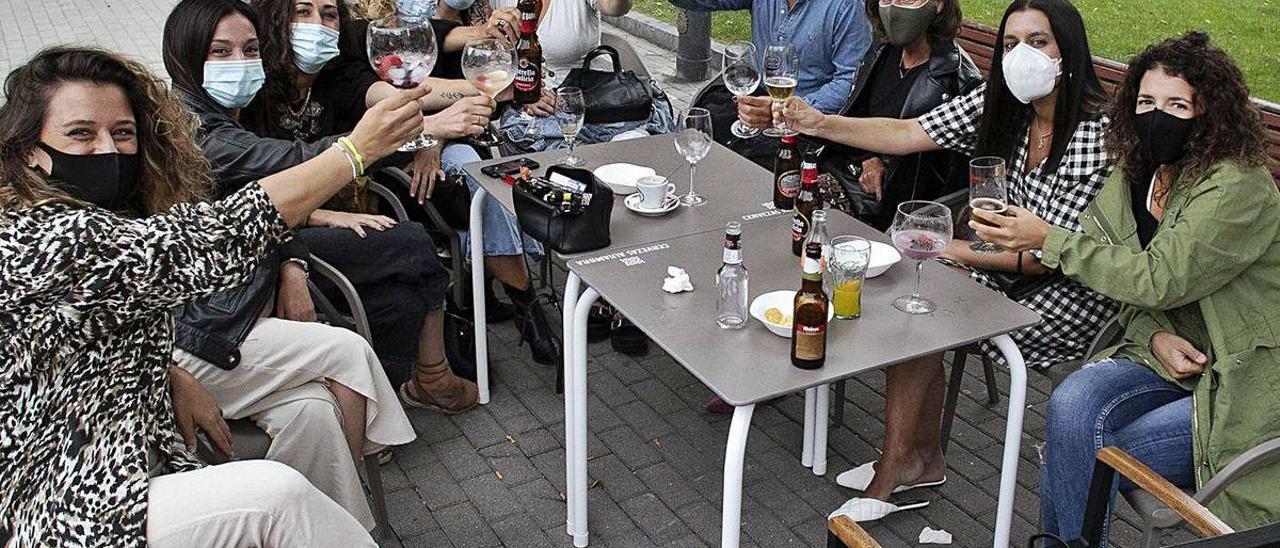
809,318
528,82
786,174
806,201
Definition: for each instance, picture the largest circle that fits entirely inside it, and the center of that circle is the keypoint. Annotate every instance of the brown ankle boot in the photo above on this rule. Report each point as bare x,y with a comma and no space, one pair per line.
435,387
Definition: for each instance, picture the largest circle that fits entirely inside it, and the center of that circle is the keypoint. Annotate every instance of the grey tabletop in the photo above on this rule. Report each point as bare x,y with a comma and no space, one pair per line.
752,364
734,186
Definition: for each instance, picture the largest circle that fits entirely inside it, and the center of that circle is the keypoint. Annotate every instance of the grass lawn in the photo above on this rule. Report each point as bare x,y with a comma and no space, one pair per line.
1118,29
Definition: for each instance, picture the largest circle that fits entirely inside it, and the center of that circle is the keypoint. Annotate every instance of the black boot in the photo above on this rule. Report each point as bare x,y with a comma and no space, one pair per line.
544,344
496,311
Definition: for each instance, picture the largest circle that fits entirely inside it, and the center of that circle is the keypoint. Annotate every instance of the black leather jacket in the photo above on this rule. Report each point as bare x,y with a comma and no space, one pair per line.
927,175
213,328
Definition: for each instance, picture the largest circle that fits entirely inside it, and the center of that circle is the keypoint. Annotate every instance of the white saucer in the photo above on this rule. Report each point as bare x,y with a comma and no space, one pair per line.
668,205
622,177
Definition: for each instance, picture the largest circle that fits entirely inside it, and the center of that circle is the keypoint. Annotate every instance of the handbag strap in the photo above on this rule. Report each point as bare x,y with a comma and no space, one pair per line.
603,50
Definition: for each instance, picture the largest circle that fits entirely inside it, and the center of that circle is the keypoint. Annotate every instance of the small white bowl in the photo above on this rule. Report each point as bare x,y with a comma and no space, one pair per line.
622,177
883,256
785,301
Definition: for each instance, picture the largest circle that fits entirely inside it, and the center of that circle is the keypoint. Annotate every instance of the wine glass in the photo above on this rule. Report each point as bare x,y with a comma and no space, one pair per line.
741,76
781,67
490,67
571,108
693,142
403,53
921,231
987,192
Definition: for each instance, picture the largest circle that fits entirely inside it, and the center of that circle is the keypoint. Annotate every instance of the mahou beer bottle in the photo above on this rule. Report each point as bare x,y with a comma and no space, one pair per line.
806,201
809,318
528,82
786,174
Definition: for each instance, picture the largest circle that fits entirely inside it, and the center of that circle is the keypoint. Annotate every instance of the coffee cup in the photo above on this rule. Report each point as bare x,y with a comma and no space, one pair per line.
653,190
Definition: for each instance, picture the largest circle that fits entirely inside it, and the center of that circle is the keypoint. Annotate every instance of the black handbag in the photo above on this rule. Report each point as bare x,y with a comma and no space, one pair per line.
617,96
567,232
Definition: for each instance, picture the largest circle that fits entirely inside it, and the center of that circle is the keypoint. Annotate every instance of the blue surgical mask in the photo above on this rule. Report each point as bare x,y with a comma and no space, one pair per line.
416,10
233,83
313,46
460,5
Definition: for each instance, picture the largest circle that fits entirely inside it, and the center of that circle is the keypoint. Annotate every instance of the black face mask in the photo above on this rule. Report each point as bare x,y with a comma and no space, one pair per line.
104,180
1163,137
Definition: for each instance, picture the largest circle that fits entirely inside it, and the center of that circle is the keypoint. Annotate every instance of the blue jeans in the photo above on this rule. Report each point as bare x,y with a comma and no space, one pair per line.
543,133
502,234
1112,402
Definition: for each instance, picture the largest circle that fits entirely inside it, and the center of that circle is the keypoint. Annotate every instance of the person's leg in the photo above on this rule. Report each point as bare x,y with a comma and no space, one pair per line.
308,433
908,457
433,384
257,503
352,406
1083,415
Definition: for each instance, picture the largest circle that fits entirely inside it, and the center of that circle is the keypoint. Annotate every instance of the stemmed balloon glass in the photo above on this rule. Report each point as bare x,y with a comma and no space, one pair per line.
693,142
571,109
403,52
781,69
490,67
741,77
921,231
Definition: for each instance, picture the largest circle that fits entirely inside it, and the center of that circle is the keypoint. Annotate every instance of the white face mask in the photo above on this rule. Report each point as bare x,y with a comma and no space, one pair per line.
1029,73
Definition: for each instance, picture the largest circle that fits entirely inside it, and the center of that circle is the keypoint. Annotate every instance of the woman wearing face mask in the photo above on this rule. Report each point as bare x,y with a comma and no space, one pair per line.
1185,234
101,239
1041,110
329,106
914,66
320,391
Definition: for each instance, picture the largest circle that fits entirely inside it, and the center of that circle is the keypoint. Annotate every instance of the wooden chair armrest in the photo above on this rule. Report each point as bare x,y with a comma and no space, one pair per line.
850,533
1200,518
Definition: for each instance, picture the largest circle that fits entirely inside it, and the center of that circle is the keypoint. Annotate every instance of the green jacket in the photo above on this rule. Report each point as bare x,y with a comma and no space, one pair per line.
1217,246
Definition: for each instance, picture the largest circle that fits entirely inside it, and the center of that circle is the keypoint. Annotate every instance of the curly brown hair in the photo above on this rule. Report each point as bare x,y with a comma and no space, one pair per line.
1230,127
173,170
274,18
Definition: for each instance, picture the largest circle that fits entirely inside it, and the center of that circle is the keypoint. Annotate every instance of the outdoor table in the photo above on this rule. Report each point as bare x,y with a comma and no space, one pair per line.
629,272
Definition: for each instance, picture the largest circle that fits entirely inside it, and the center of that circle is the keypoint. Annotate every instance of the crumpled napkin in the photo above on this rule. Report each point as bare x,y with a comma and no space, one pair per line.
677,280
934,536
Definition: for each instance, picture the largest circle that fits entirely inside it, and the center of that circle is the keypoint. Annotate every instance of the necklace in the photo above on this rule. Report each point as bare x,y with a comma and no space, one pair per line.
305,101
1042,136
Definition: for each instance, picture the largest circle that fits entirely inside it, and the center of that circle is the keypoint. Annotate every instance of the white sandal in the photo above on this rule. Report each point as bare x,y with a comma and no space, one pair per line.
858,478
863,509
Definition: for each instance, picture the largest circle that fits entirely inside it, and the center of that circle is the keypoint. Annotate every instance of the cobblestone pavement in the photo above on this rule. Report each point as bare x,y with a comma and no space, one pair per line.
495,476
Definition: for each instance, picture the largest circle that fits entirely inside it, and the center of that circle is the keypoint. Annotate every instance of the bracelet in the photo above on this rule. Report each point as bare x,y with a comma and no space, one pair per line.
355,171
306,268
355,154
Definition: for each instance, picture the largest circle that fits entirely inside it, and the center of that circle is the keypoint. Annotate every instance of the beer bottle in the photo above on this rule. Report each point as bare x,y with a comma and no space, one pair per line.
809,318
806,201
786,174
528,82
731,282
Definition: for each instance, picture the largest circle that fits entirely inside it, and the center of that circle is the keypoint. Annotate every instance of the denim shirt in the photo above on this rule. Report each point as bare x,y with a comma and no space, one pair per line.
831,36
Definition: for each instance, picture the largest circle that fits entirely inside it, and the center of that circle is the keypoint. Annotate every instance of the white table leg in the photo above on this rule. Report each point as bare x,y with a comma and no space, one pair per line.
810,403
477,293
571,288
1012,437
579,388
734,454
822,409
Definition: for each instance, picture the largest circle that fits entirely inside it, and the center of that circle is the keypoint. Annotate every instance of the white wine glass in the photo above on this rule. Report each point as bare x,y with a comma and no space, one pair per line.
921,231
490,66
781,69
741,77
403,53
693,142
571,109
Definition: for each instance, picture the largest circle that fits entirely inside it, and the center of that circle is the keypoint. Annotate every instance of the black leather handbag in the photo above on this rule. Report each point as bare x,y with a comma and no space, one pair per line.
567,232
617,96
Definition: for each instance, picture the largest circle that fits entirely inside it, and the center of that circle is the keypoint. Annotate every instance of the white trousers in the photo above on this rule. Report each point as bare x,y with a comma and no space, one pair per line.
280,384
250,504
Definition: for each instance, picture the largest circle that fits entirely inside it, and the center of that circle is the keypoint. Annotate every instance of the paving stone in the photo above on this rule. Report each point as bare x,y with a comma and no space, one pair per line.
654,518
782,502
544,404
636,452
606,519
644,420
765,528
658,396
465,528
515,469
521,531
510,414
536,442
551,464
436,486
600,416
493,499
480,428
393,478
432,427
435,538
669,485
677,450
670,373
461,459
415,454
408,514
542,502
608,388
595,447
615,477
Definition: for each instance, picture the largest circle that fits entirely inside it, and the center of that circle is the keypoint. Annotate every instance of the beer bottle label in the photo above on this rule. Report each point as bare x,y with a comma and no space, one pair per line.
810,341
799,228
732,256
526,75
789,183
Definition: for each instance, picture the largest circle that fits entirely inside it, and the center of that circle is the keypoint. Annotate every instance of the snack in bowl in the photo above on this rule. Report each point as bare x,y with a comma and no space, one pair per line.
774,315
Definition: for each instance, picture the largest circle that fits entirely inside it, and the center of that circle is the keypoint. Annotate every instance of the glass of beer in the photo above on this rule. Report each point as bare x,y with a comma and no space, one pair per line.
781,67
988,192
849,260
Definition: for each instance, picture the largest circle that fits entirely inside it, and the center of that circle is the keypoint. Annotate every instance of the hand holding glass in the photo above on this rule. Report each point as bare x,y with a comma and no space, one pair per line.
781,67
921,231
490,67
741,77
988,192
403,54
571,109
693,141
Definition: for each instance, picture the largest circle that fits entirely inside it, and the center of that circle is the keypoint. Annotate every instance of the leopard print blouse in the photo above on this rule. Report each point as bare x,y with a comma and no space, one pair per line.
86,336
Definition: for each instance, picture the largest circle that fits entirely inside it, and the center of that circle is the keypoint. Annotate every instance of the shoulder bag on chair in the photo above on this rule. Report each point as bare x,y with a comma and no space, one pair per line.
617,96
566,232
